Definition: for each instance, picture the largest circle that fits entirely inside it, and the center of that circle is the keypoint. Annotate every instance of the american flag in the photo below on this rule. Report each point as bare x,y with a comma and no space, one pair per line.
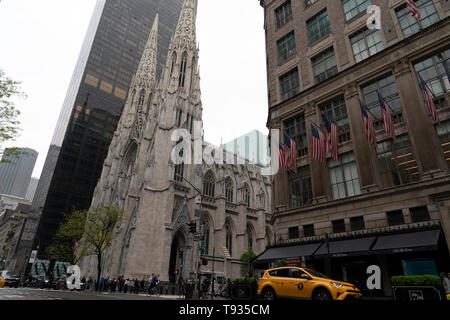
317,145
331,138
387,116
413,9
290,153
368,125
428,95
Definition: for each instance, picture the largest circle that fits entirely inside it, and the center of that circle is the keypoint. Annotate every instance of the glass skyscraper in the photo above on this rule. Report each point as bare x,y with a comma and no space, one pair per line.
109,58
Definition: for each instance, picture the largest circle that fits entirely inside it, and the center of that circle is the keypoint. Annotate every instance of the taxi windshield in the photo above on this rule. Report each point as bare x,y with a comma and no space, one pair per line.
317,274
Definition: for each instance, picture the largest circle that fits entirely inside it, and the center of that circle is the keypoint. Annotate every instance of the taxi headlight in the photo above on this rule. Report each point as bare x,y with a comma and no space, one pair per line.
338,285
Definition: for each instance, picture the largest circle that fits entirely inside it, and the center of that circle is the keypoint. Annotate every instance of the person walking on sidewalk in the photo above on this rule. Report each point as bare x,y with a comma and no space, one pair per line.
446,284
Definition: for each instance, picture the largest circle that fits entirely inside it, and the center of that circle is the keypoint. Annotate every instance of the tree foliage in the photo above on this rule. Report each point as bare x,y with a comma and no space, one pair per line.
99,232
9,124
247,265
70,231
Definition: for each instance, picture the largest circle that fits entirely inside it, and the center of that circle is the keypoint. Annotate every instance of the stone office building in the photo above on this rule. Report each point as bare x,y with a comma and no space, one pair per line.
388,205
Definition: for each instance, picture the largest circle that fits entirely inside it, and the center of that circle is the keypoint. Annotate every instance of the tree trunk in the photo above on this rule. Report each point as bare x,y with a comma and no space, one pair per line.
99,268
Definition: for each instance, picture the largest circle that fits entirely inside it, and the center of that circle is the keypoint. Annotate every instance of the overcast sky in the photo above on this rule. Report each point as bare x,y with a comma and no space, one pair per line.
40,42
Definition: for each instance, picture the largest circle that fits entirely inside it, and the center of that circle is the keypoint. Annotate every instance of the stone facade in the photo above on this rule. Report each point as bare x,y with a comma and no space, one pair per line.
159,196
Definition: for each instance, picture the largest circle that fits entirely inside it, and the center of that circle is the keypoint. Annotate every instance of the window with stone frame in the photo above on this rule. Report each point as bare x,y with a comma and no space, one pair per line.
229,190
300,187
249,237
289,84
357,223
308,230
174,61
366,43
344,179
419,214
432,71
179,168
141,98
246,195
324,65
295,128
338,226
293,233
318,26
205,242
409,24
209,184
443,132
354,7
395,218
387,88
286,47
336,111
283,14
397,162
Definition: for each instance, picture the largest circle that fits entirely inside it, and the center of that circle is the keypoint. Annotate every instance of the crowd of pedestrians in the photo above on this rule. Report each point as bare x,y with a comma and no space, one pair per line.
121,285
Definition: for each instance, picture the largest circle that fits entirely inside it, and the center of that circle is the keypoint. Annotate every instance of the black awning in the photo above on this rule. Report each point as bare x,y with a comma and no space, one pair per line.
342,248
304,250
406,242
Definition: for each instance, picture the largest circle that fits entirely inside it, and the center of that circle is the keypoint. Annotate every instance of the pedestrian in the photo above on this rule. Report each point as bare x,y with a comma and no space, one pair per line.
102,281
205,287
127,284
446,284
136,286
132,286
143,285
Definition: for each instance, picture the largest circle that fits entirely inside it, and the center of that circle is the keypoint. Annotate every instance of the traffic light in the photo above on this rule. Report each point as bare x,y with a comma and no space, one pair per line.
192,226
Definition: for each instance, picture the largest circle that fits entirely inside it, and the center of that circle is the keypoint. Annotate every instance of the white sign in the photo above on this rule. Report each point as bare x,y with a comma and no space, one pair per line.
33,256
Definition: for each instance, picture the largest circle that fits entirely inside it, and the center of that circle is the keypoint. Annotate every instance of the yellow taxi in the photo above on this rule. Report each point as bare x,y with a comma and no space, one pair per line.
2,282
303,283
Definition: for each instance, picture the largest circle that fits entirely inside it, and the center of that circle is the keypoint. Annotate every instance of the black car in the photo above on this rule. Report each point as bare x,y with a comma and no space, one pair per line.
12,279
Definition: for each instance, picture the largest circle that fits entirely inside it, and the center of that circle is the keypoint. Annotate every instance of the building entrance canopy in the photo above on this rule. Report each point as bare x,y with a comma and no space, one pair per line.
343,248
305,250
406,242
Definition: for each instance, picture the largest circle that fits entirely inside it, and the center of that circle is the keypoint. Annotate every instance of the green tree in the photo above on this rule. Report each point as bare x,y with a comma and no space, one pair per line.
70,231
247,265
9,124
99,233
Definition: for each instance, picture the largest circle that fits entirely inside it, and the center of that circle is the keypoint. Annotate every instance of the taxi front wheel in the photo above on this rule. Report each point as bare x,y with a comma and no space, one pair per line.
321,294
268,294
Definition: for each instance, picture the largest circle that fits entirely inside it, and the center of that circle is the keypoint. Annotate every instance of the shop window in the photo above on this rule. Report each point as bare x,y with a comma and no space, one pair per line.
357,223
308,230
338,226
395,218
419,214
293,233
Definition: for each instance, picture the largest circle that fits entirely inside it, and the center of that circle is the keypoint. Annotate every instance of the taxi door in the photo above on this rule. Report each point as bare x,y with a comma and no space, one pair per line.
297,284
280,281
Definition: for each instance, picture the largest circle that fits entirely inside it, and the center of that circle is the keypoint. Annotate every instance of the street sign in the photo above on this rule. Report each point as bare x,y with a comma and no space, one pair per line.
33,256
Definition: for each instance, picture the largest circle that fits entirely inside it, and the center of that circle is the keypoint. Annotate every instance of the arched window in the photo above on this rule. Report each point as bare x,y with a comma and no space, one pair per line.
192,73
229,238
141,98
229,189
261,199
246,195
174,60
182,76
133,94
179,169
249,236
205,242
209,184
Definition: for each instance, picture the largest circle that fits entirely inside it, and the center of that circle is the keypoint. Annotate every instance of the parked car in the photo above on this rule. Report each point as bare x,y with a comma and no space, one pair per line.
2,282
303,283
11,278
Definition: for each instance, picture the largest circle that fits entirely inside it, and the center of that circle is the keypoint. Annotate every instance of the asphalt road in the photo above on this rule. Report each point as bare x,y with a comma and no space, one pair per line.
47,294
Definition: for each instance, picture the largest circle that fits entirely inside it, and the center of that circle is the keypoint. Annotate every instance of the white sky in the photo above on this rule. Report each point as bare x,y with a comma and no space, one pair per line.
40,42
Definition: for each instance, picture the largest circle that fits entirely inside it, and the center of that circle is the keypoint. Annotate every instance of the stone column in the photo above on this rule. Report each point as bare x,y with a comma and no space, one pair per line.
365,153
424,140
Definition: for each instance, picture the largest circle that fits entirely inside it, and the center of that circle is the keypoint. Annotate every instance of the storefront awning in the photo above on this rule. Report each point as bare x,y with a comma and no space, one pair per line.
304,250
343,248
406,242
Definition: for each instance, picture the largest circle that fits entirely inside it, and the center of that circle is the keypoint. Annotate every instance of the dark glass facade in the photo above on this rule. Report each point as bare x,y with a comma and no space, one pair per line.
108,60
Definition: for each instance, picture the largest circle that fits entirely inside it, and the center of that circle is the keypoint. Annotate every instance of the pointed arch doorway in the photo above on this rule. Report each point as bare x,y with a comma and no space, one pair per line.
178,256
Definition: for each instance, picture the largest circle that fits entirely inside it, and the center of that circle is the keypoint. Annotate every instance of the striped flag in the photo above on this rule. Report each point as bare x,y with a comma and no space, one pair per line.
281,157
290,152
428,95
387,116
413,9
368,125
331,138
317,145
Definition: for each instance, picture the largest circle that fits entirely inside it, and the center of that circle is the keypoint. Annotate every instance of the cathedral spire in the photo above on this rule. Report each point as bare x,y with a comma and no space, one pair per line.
145,77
